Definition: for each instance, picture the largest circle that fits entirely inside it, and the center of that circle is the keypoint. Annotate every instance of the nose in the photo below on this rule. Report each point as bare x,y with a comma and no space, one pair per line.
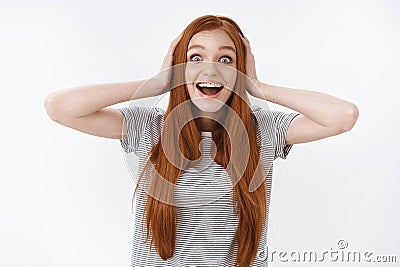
210,69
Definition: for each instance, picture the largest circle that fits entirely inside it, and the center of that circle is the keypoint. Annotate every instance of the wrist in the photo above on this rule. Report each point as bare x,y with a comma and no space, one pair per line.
257,89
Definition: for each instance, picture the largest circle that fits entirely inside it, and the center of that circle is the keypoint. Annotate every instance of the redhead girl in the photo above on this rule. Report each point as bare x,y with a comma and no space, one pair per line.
205,162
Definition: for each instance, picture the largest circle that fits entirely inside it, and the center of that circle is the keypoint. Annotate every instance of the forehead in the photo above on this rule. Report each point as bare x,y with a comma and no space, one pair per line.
217,37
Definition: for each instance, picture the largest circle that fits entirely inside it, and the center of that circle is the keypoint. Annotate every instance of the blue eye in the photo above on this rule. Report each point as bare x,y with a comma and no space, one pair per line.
225,60
195,58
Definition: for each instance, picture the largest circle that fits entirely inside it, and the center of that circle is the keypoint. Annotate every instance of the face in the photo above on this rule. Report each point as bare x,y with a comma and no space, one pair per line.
211,69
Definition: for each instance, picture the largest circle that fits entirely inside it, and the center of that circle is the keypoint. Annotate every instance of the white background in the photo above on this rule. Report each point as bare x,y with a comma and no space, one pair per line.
65,196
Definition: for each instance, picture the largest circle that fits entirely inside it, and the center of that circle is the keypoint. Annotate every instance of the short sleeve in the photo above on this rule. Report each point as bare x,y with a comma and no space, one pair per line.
143,126
273,126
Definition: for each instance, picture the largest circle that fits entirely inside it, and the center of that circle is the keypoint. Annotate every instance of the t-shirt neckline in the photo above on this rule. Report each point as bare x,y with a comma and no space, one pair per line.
205,133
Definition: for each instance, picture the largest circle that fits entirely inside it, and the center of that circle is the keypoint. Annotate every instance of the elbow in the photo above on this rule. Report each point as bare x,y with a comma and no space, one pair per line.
50,104
349,117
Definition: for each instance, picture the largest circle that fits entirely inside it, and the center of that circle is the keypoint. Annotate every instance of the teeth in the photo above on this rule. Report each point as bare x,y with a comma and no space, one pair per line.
210,85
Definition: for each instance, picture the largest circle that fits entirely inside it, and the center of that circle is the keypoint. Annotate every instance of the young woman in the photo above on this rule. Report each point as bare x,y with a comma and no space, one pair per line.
205,162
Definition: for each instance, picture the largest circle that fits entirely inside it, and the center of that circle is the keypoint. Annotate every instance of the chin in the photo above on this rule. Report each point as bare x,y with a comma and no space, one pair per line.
207,105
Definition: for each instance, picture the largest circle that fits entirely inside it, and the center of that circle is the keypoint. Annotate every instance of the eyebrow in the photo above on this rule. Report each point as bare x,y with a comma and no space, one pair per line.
224,47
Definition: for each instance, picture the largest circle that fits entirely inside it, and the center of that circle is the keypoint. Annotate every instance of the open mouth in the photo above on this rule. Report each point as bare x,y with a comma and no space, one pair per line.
209,88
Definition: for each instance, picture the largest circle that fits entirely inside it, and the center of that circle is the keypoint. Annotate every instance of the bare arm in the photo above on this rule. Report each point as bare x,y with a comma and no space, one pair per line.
321,115
84,108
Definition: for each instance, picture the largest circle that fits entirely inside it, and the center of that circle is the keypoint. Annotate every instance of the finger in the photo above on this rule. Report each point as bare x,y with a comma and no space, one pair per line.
174,43
244,39
176,40
246,42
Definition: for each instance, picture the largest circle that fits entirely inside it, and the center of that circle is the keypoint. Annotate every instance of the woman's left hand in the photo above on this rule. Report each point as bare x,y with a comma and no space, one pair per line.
252,80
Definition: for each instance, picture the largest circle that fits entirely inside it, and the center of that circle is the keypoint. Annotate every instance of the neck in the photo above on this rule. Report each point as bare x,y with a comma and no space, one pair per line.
206,124
208,121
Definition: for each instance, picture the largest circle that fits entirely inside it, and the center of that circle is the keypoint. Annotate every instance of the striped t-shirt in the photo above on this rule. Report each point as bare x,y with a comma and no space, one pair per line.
206,220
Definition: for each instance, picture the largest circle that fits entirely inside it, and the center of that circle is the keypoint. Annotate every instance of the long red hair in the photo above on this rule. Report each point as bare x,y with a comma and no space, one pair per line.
250,207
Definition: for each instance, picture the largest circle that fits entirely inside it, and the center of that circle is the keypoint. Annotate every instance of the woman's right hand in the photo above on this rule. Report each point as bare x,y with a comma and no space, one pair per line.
161,81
